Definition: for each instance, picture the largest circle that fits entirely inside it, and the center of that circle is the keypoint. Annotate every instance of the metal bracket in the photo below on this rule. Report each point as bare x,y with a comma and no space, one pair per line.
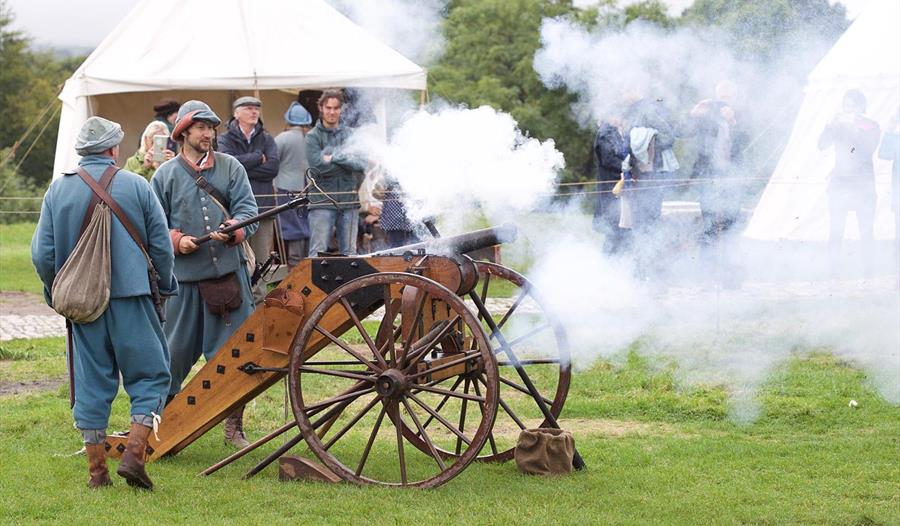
253,368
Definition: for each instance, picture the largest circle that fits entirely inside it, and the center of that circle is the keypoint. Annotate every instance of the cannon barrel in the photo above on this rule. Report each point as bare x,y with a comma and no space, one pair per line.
459,244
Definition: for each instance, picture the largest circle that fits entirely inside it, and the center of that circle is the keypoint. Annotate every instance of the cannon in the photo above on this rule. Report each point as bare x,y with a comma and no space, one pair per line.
398,372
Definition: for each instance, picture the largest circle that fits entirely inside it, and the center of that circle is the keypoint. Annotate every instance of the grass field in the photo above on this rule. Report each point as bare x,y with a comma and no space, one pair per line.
16,271
656,453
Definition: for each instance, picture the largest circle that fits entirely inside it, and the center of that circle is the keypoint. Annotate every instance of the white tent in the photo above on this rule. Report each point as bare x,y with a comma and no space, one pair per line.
216,51
794,205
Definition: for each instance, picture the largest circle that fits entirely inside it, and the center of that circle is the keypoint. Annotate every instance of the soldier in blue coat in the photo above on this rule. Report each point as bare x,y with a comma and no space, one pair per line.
192,329
127,338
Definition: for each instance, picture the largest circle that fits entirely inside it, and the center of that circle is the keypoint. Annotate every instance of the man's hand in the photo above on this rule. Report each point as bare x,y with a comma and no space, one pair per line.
263,161
728,114
327,158
221,236
187,244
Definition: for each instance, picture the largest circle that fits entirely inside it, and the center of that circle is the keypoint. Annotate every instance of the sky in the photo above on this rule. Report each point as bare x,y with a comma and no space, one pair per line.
84,23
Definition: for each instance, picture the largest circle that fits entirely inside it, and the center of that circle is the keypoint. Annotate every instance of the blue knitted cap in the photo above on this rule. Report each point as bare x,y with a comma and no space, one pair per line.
296,115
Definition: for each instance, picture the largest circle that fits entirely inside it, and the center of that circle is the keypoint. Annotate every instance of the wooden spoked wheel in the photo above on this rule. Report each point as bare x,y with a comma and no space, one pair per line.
357,389
530,332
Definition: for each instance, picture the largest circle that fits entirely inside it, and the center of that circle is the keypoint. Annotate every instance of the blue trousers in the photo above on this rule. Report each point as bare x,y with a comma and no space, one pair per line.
321,222
192,331
127,339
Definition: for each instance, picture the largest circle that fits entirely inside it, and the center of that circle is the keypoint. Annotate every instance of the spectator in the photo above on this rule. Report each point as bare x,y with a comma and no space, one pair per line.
217,268
291,178
650,114
890,150
247,140
142,162
852,184
127,338
609,151
371,237
394,220
720,145
166,110
333,170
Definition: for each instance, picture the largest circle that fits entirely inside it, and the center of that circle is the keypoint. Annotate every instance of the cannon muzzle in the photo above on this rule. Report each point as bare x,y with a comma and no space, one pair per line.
459,244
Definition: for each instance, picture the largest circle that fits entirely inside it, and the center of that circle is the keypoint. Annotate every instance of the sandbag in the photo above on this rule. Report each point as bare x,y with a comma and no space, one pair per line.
545,451
80,290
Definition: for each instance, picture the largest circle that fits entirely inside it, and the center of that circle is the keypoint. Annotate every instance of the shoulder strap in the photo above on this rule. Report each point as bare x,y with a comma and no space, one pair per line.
203,183
102,194
105,181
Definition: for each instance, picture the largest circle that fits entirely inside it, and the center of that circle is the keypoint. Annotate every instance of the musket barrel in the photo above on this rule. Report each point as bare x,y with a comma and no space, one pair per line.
459,244
293,203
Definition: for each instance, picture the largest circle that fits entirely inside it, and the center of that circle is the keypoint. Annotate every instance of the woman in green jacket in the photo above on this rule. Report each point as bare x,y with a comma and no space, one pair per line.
142,162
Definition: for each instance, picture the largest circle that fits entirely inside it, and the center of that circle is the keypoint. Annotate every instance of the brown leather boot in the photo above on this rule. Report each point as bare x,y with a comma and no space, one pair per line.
96,455
131,467
234,429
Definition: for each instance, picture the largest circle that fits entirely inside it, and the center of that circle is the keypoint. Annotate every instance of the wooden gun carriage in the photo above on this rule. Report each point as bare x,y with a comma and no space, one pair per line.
393,377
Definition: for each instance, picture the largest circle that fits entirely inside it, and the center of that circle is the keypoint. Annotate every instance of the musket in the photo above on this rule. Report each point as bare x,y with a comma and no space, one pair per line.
293,203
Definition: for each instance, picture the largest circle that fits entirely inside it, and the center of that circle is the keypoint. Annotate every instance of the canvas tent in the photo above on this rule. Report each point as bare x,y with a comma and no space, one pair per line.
794,204
216,51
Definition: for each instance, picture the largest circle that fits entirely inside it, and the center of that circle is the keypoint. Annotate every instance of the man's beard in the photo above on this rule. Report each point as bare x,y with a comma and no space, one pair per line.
198,146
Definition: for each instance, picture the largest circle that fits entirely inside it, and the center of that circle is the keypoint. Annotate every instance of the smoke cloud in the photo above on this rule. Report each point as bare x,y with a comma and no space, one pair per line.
727,313
411,27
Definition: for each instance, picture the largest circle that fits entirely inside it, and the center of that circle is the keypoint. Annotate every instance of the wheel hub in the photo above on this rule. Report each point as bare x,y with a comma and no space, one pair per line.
391,383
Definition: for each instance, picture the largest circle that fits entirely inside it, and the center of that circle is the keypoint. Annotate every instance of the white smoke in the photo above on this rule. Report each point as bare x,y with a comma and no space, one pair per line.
452,161
411,27
470,165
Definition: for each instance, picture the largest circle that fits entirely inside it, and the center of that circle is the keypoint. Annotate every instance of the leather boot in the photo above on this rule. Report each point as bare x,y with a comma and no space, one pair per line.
131,467
234,429
96,455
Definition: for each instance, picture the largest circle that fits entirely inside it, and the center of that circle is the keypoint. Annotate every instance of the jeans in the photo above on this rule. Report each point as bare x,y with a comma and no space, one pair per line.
322,221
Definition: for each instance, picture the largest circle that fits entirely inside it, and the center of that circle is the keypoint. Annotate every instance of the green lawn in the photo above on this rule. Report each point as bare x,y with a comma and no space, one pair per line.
656,453
16,271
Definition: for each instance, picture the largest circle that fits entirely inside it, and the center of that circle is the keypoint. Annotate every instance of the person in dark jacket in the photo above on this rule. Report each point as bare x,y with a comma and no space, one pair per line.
337,174
720,144
651,113
248,142
609,151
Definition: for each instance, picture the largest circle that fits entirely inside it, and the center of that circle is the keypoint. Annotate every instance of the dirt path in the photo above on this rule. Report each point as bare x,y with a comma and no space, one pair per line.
30,386
24,304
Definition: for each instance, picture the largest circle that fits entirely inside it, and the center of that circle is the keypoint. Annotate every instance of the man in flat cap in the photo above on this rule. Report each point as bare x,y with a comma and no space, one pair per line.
248,142
200,190
127,338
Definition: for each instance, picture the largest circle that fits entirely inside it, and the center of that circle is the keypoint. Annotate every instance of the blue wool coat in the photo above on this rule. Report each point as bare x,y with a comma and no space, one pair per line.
127,338
191,330
63,210
193,212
